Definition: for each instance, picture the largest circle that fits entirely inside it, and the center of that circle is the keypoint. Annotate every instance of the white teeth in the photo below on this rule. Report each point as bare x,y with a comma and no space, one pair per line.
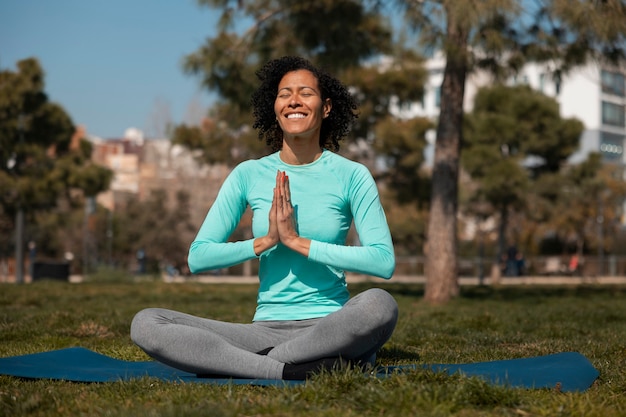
295,116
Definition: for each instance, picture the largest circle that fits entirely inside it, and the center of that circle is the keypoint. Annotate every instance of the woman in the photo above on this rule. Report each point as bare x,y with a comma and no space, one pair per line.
304,198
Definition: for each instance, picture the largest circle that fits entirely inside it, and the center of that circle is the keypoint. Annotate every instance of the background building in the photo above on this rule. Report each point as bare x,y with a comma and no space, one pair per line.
594,94
143,165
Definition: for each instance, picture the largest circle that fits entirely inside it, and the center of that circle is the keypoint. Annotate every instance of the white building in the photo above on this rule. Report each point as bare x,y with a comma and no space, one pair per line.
594,94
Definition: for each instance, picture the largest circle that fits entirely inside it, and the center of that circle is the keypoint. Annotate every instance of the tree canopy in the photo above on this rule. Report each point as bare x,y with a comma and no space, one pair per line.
513,136
42,158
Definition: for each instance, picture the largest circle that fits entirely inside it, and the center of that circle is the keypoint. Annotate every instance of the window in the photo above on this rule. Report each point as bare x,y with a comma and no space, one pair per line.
612,83
557,86
611,146
613,114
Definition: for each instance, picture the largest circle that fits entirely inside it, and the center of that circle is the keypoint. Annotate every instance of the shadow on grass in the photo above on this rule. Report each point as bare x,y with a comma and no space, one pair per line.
534,292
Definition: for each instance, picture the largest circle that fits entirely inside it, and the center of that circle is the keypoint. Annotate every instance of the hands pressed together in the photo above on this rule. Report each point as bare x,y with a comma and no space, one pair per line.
282,222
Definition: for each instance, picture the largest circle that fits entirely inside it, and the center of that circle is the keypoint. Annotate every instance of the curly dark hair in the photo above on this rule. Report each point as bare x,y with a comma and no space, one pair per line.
334,127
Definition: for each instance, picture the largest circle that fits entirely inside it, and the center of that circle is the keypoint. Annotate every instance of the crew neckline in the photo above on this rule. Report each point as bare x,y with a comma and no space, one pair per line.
324,152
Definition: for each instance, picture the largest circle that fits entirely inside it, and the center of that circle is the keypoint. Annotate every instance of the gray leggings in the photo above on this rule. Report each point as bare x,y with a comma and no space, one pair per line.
203,346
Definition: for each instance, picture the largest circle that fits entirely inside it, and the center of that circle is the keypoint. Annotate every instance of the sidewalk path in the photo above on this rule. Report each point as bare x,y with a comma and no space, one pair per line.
414,279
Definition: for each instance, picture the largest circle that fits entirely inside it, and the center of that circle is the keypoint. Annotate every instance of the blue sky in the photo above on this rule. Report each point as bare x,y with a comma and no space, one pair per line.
111,64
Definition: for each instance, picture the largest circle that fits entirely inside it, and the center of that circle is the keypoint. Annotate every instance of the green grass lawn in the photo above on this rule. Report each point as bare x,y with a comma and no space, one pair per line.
483,324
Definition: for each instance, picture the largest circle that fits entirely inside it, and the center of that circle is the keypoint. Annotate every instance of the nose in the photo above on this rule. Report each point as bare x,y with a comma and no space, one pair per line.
294,102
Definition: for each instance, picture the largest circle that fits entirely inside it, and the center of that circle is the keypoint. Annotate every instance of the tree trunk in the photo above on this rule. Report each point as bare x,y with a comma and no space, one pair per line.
441,250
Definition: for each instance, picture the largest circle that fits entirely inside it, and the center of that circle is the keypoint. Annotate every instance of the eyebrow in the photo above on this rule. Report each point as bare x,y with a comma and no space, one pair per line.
298,88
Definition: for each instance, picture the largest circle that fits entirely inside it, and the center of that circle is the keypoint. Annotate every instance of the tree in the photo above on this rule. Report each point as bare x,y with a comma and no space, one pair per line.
42,161
585,213
499,35
162,233
513,136
401,143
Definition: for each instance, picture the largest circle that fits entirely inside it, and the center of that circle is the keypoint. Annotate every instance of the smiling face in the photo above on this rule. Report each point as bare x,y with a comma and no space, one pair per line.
299,106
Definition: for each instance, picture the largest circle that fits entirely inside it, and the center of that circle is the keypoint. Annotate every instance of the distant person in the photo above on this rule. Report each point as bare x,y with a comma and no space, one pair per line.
521,264
573,265
141,261
512,262
304,197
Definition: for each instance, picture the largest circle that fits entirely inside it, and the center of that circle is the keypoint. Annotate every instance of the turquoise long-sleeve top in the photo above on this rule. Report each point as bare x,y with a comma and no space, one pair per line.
327,195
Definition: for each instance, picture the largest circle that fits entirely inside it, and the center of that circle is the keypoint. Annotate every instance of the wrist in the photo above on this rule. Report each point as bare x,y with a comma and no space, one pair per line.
298,244
261,244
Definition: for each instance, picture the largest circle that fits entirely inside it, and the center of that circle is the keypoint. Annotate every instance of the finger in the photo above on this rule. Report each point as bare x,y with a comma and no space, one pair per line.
279,188
287,189
285,193
283,180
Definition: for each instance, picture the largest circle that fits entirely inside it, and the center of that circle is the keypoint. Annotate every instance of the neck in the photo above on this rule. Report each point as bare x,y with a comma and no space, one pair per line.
294,153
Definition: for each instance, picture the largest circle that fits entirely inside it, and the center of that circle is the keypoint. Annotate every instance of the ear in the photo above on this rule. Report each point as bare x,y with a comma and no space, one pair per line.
326,107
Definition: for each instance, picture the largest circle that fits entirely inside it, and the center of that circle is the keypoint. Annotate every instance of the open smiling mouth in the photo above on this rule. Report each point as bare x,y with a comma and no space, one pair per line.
296,116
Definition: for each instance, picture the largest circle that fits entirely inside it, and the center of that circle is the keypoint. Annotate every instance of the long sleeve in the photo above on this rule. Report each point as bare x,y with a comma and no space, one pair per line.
375,256
211,249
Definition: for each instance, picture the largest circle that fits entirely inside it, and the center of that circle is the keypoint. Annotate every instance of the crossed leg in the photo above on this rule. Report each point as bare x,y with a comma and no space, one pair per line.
204,346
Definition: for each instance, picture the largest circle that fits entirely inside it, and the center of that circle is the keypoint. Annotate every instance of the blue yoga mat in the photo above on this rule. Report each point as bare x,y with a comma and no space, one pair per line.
567,371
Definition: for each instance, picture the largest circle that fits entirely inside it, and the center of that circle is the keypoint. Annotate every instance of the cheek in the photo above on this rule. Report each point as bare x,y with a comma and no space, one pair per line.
279,120
277,108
